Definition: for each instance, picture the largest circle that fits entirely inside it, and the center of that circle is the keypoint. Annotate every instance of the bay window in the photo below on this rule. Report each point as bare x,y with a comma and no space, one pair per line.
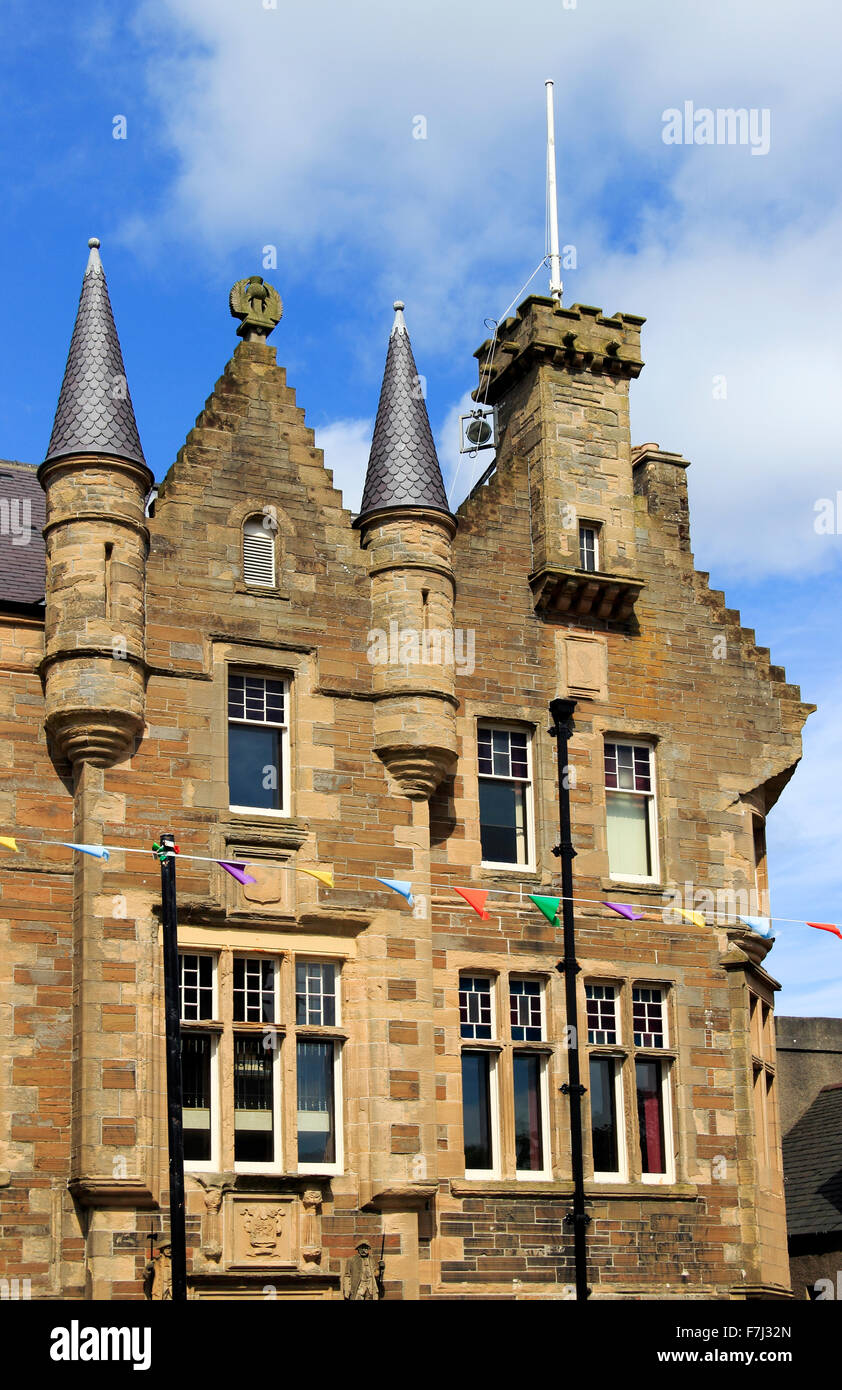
240,1048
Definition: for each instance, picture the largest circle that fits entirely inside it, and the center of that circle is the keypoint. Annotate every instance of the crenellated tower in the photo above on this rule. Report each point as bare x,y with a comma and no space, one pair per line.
407,528
96,481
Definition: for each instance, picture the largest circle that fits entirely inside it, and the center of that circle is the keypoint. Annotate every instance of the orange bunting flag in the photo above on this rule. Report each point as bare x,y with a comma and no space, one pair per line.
695,917
826,926
476,897
9,843
323,875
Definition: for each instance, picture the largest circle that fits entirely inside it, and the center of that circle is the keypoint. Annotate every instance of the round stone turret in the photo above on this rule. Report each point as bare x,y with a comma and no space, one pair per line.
96,481
407,528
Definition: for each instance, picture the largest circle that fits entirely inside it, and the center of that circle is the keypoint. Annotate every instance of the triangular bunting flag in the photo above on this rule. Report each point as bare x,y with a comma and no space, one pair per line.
826,926
9,843
549,906
695,917
624,911
399,885
762,925
476,897
236,871
323,875
98,851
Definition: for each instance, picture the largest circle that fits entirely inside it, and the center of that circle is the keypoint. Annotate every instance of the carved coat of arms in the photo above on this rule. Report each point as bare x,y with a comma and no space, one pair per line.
263,1229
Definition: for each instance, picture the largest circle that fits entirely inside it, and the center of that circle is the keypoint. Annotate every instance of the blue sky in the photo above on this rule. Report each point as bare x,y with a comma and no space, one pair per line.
251,125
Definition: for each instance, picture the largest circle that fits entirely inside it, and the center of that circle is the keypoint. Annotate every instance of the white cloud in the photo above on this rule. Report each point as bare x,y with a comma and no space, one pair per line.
346,445
296,130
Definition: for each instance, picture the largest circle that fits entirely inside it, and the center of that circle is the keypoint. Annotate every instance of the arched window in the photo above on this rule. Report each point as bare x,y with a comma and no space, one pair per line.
259,554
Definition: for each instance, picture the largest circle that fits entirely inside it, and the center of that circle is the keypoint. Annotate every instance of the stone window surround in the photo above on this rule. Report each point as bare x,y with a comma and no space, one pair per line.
525,719
250,510
630,731
285,1054
298,668
589,524
762,1068
500,1049
626,1053
651,799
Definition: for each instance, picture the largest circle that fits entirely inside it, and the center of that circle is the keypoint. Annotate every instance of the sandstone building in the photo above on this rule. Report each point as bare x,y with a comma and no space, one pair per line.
241,661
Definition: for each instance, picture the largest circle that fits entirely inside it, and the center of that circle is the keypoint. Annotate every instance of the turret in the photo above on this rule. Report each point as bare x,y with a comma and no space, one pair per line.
559,381
96,481
407,528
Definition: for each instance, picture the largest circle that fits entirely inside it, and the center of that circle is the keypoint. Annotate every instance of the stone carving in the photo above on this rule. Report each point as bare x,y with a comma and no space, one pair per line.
260,1231
363,1279
263,1228
157,1276
259,306
311,1242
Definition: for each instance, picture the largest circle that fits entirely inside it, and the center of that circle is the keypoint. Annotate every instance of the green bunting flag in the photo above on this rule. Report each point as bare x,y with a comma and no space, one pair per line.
549,906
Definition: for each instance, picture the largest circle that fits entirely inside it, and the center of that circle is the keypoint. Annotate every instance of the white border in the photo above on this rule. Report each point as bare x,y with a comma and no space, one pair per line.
529,865
652,800
277,1163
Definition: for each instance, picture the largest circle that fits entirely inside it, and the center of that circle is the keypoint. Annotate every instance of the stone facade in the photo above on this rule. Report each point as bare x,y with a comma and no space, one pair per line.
114,717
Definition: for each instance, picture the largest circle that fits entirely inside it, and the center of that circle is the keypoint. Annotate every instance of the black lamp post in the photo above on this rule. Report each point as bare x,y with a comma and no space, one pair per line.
175,1132
561,713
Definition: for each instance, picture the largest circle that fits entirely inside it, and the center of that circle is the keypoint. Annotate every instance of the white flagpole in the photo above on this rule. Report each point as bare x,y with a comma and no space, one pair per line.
556,287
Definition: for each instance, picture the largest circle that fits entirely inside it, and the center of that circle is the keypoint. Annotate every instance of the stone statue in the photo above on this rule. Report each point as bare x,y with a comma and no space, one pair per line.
157,1276
363,1279
258,305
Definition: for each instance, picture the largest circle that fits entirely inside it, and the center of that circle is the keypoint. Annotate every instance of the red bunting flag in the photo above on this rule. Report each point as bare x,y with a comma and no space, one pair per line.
826,926
476,897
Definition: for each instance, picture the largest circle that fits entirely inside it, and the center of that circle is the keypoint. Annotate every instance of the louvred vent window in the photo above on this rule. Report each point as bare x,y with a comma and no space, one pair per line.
258,555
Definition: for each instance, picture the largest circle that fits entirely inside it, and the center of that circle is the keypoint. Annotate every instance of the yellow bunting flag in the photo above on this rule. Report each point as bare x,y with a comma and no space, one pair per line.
695,917
9,843
324,876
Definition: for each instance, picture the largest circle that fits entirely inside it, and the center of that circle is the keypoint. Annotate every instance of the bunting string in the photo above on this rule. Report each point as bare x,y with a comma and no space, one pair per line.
476,898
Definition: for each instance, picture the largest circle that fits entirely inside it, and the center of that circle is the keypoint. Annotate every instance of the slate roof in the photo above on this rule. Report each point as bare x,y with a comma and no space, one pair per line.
403,467
94,413
812,1153
22,556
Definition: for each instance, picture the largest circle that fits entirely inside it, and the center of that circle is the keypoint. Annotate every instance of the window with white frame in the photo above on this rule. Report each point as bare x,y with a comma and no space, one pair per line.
648,1016
259,552
200,1120
256,1070
237,1054
630,811
601,1006
475,1007
517,1059
639,1144
258,743
317,1065
505,795
588,545
606,1100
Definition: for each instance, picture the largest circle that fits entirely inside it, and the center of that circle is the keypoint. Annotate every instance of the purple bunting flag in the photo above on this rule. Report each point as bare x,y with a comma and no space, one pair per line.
236,871
624,911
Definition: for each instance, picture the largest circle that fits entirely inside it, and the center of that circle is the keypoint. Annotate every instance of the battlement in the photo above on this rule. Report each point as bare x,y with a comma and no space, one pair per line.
579,339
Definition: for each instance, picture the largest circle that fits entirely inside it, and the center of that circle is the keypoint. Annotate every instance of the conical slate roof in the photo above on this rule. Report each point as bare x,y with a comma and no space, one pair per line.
94,413
403,467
